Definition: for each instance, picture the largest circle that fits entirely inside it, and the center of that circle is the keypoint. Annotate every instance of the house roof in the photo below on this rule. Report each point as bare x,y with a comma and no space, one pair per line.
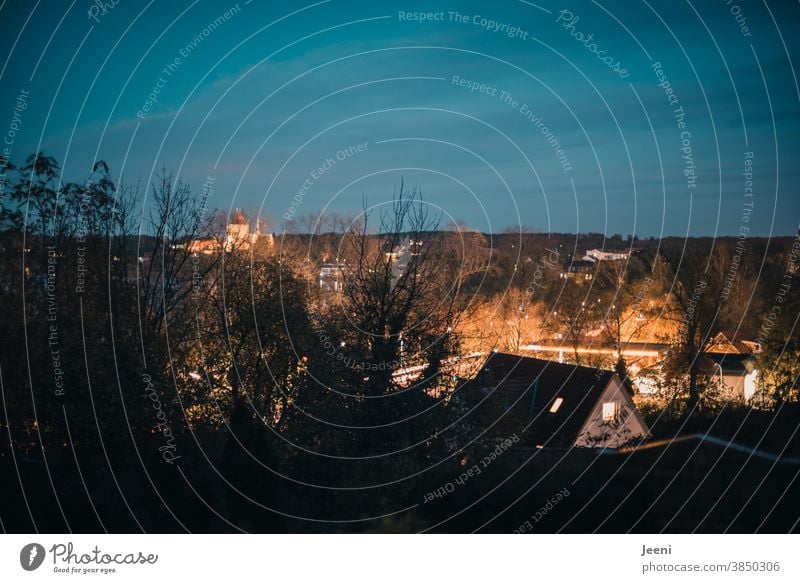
731,341
518,393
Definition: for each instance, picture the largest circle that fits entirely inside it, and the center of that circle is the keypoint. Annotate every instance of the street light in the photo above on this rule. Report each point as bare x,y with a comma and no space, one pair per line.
721,381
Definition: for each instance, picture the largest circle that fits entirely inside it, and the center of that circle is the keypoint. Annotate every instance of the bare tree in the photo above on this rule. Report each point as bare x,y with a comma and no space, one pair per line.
166,272
699,294
394,284
626,311
574,314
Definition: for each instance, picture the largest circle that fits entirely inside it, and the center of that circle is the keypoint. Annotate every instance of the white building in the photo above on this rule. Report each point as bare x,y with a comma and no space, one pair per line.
331,277
600,255
736,373
402,255
238,237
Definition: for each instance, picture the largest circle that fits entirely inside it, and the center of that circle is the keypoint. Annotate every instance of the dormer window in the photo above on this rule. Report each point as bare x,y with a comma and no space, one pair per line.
556,404
610,411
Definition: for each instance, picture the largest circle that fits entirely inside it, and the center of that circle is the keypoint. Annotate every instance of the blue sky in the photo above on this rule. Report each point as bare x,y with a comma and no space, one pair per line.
277,89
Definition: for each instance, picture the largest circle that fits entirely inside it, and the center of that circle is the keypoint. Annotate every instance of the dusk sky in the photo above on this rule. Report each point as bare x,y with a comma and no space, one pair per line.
261,99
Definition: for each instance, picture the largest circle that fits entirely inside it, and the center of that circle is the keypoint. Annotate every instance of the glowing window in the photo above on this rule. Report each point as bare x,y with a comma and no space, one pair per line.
556,404
610,411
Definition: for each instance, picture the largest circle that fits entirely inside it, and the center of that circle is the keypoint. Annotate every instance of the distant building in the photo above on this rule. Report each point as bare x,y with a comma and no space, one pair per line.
735,363
579,270
736,373
548,404
238,237
600,255
583,269
402,255
331,277
237,232
729,342
205,246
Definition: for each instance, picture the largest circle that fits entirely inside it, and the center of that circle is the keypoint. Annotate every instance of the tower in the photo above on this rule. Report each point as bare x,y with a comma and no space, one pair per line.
237,233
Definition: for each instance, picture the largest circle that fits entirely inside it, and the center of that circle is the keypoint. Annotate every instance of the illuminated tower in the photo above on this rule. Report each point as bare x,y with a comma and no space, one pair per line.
237,233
